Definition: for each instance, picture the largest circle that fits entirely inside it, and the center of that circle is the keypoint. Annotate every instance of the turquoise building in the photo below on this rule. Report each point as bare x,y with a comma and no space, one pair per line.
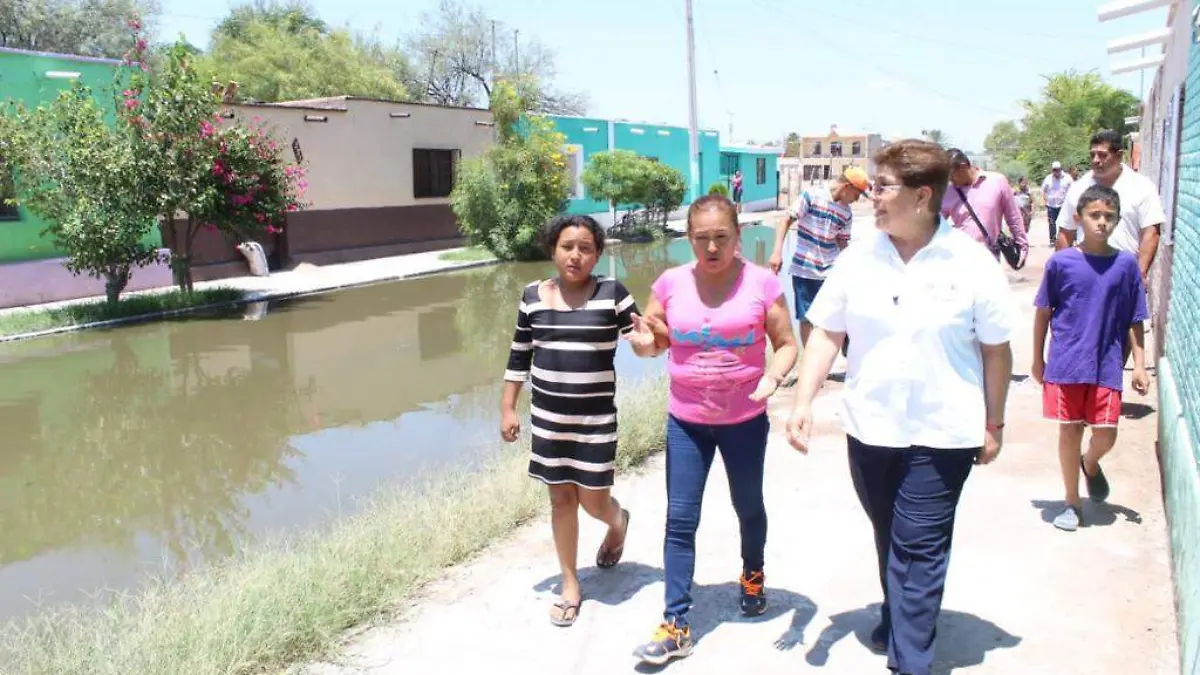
587,136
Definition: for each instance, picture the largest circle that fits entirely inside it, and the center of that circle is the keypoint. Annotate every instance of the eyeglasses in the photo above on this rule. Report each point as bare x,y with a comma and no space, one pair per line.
880,188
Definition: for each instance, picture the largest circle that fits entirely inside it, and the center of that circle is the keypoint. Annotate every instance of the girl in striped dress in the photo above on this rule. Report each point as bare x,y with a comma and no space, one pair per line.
565,343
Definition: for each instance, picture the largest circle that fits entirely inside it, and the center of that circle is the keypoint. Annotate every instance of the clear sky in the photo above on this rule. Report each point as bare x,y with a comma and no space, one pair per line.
774,66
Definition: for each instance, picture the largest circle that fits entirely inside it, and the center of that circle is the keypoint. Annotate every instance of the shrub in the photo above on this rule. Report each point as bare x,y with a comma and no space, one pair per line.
719,188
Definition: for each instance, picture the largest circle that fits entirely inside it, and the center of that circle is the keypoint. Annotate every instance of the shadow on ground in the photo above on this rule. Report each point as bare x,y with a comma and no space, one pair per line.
712,605
963,639
1135,411
1095,514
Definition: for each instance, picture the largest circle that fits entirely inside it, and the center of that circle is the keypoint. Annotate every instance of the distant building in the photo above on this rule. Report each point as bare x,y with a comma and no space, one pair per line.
826,156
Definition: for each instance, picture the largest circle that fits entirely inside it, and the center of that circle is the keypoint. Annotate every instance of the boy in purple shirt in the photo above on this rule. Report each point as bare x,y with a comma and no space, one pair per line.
1090,298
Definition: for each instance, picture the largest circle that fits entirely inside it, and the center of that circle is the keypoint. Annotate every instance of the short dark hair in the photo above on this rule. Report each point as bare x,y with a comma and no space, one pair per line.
552,230
957,158
1099,193
918,163
716,202
1114,141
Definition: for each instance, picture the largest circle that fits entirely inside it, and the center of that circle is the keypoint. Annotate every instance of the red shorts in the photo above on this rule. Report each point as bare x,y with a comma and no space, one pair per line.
1087,403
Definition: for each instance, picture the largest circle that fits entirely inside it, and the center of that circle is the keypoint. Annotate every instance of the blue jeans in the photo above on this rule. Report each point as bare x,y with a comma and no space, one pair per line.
805,291
911,496
690,451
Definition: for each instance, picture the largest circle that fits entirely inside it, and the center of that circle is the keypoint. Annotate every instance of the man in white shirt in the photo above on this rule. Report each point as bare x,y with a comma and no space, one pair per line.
1054,191
1142,213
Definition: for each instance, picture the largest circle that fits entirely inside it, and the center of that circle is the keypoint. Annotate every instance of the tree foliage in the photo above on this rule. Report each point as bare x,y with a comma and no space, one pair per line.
503,198
82,175
454,62
1059,125
86,27
626,179
794,145
936,136
279,52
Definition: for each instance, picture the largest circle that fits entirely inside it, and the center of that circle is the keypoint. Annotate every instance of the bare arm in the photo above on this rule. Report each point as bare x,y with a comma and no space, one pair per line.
781,230
509,396
1138,347
1012,215
1148,248
655,318
1066,239
783,340
1041,328
997,373
820,352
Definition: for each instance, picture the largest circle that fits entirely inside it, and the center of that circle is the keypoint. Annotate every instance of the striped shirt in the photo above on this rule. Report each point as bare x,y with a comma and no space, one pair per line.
821,224
568,355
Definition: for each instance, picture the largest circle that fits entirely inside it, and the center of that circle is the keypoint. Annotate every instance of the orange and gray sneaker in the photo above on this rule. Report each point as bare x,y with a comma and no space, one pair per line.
754,596
669,642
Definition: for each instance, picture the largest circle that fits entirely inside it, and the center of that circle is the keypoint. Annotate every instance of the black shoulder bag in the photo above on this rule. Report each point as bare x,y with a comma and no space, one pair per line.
1006,245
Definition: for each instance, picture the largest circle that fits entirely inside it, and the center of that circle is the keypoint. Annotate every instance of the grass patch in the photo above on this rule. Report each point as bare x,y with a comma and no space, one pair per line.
290,601
31,321
471,254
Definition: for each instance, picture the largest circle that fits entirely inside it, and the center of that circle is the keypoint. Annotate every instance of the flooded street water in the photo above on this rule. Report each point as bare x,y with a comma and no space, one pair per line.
154,448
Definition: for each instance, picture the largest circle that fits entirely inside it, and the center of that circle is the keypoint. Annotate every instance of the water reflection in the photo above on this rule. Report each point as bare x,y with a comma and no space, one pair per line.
156,447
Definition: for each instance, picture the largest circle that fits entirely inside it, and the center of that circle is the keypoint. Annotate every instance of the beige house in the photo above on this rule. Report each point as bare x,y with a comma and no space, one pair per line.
379,178
826,156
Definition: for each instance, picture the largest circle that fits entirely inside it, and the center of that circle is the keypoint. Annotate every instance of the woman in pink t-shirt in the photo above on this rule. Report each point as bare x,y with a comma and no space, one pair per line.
715,316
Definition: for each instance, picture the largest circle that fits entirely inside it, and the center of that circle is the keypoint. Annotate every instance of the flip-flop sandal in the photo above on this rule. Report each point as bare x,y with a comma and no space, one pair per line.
606,558
567,613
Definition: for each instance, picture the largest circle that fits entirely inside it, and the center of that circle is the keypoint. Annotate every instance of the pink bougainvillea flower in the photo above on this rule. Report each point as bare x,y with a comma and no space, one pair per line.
142,44
271,229
206,129
135,24
131,103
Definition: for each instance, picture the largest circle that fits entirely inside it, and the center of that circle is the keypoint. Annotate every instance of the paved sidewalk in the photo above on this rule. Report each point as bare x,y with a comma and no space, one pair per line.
310,278
1022,597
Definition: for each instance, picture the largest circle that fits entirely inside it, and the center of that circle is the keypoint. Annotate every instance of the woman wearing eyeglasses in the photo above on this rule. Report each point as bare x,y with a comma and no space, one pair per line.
928,314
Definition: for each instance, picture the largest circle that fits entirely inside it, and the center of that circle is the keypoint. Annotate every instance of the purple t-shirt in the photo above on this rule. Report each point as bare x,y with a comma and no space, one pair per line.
1095,301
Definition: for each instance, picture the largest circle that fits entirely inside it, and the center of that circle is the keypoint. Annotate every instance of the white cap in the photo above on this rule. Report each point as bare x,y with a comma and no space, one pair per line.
1056,165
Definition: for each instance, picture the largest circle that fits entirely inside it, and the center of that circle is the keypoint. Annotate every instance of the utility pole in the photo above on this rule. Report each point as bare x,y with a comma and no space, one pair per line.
693,132
516,52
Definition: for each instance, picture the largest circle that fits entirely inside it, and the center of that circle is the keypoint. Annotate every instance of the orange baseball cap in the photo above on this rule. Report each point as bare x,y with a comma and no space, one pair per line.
858,178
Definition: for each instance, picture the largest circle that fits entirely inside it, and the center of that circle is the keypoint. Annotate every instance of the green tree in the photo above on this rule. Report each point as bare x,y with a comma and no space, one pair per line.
503,198
616,176
936,136
794,144
281,52
86,27
1004,141
1072,107
665,189
82,175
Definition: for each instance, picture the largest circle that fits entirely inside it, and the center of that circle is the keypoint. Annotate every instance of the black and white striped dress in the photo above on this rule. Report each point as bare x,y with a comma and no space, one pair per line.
568,356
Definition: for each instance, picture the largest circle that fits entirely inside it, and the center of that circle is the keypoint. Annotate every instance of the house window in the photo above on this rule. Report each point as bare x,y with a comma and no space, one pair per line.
760,170
730,163
433,173
835,148
7,192
856,149
816,149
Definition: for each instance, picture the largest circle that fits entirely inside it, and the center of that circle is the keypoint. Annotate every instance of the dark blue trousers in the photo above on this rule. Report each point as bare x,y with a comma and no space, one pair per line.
910,495
690,452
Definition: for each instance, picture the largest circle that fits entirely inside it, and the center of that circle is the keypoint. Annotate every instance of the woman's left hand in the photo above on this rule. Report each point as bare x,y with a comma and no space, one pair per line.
766,386
991,447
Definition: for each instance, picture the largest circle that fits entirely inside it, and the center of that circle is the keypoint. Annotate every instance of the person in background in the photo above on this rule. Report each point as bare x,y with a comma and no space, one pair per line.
929,314
566,337
1054,192
980,202
1091,300
1142,214
822,219
1073,172
737,189
715,316
1024,201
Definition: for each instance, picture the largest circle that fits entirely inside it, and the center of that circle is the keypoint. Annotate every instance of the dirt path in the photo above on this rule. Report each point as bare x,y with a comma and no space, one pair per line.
1022,597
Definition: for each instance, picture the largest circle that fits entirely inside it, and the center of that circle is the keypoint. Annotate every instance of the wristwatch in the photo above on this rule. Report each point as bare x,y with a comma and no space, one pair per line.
995,427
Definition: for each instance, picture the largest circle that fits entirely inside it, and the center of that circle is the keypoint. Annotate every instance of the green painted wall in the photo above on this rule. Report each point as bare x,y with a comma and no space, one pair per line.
747,160
591,136
1179,382
666,143
23,79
